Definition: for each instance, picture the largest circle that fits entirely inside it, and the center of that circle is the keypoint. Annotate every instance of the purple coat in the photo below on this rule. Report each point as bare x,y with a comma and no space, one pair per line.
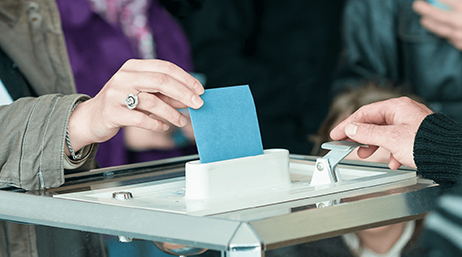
98,49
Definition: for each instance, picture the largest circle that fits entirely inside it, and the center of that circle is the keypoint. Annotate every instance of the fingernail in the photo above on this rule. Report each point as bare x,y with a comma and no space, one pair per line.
197,101
165,127
351,129
183,121
198,88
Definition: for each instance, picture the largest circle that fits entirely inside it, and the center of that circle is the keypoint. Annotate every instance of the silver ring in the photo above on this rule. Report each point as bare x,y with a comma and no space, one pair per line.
132,101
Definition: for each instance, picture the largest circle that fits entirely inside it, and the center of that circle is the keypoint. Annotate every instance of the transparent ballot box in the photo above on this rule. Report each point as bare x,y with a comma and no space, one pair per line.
240,207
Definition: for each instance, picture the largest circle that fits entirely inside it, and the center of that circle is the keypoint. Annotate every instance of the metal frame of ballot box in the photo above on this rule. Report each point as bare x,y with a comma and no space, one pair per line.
247,232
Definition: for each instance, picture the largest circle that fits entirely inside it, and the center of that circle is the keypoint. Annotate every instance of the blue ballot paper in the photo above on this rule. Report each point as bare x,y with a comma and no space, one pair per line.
226,126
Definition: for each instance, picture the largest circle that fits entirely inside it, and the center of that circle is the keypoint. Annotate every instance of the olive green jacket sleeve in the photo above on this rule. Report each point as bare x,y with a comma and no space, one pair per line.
33,138
32,130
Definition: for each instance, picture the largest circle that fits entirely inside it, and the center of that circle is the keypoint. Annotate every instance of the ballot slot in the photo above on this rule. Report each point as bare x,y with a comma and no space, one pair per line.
237,176
242,183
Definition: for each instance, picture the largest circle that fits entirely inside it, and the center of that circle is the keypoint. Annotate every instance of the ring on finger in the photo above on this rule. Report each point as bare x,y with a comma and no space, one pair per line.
132,101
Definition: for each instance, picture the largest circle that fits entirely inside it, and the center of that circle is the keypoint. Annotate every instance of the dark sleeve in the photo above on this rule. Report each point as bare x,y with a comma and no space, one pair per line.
438,149
370,46
437,154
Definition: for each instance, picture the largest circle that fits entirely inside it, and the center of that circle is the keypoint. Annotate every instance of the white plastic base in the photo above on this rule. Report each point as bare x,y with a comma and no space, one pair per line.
236,176
239,184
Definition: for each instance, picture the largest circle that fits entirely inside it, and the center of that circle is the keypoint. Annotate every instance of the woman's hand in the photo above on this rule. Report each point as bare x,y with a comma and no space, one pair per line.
161,88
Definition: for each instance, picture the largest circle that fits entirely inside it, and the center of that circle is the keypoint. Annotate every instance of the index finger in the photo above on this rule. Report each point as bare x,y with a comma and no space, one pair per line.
156,65
159,83
373,114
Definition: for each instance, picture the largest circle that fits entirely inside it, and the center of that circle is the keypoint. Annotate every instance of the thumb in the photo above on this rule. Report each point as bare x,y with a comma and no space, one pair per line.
395,139
368,134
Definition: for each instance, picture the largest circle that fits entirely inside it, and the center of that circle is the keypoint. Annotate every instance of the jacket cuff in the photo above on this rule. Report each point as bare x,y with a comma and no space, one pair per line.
438,149
45,161
75,164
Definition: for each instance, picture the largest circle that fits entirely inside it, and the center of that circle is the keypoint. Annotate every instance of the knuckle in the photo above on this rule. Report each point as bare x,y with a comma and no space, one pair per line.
168,66
405,99
152,102
161,78
139,119
129,63
111,93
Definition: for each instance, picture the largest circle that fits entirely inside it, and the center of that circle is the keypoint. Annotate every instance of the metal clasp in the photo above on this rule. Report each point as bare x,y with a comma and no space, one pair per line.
326,170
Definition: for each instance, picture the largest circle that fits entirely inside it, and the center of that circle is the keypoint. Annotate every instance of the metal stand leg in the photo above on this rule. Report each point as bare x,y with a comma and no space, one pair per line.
245,243
244,252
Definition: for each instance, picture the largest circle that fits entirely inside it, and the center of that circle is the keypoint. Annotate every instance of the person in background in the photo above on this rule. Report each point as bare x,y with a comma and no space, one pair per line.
284,50
405,42
421,139
121,30
48,130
